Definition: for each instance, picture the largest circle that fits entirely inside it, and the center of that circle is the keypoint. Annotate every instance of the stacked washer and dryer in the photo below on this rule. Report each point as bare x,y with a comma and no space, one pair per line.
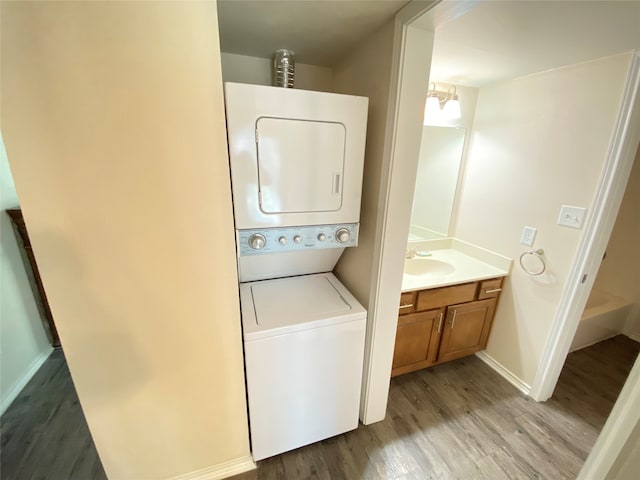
296,168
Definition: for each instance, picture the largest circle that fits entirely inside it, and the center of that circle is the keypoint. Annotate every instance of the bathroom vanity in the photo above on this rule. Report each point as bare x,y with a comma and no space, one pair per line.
448,301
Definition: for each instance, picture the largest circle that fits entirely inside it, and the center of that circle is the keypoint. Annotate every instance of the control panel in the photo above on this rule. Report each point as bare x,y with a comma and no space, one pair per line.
290,239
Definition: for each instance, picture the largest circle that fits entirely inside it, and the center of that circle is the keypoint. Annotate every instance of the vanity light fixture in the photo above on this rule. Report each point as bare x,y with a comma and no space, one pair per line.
441,105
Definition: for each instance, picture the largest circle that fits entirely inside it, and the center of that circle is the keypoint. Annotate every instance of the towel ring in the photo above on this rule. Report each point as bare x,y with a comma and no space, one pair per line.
538,254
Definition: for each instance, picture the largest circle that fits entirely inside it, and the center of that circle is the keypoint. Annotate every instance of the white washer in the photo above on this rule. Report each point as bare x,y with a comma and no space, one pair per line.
304,345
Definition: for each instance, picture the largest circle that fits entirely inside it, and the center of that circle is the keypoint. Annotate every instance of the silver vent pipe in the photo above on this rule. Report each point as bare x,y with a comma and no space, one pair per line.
284,67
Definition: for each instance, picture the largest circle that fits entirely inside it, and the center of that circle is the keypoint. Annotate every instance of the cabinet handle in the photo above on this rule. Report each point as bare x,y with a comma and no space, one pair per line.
409,305
493,290
439,322
453,319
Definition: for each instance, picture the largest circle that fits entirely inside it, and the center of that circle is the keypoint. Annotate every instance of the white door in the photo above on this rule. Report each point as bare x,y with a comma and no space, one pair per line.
300,165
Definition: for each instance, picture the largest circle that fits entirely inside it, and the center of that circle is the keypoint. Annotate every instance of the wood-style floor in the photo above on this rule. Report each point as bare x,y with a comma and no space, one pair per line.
459,420
44,433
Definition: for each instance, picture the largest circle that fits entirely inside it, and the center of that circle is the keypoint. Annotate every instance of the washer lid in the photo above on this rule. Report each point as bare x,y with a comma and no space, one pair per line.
288,305
294,300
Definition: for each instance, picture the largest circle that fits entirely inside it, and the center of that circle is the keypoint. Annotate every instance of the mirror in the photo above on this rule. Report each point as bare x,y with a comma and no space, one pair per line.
436,181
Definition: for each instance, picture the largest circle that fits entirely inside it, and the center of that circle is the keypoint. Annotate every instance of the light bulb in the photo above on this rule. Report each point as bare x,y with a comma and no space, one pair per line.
431,109
451,108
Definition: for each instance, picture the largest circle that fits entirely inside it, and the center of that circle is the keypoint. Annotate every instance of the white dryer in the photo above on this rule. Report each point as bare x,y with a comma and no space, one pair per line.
296,162
296,155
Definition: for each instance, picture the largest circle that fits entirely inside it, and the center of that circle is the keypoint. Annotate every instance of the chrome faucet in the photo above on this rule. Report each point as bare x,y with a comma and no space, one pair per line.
413,252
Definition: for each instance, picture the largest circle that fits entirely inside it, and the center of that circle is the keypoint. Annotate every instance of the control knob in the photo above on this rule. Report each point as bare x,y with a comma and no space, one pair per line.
282,240
322,237
257,241
297,239
343,235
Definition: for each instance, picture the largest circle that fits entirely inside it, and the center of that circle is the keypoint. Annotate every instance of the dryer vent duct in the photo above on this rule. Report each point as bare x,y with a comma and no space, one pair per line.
284,66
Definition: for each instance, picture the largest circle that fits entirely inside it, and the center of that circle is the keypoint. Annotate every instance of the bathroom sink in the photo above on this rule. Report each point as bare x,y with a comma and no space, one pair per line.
427,266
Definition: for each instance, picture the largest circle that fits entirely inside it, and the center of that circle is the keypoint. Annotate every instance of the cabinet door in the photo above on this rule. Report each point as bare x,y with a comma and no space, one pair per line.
417,341
466,329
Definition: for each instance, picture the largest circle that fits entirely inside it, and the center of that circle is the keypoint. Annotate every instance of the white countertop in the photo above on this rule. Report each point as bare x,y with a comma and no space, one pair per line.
461,263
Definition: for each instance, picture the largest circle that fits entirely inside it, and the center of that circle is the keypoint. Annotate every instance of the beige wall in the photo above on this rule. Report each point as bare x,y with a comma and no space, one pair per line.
367,72
618,273
113,119
23,342
255,70
538,142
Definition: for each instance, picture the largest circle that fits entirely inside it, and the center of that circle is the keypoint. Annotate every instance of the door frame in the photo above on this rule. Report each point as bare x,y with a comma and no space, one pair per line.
402,142
413,35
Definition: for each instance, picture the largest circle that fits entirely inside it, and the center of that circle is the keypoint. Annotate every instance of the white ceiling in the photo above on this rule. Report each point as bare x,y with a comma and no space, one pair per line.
477,42
320,32
498,40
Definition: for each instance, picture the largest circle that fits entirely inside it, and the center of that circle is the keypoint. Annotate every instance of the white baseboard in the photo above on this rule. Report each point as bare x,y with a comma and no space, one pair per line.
220,471
504,372
20,384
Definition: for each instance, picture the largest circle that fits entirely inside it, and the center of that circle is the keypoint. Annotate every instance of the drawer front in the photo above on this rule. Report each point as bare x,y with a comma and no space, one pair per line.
440,297
407,303
490,288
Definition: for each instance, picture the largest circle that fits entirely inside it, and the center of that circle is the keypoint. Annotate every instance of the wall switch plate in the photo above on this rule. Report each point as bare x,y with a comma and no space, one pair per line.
572,217
528,236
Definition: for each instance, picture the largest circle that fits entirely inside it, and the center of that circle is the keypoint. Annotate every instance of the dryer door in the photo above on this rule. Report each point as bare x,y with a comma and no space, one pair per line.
300,165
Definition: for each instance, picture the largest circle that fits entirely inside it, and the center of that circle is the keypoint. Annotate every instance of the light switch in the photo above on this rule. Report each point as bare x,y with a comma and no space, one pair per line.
572,217
528,236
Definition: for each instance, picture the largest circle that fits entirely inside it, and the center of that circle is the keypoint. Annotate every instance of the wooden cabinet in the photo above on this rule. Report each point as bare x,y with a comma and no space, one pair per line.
442,324
34,276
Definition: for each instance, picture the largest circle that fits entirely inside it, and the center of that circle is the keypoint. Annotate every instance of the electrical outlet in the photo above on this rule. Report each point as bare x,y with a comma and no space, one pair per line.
528,236
572,217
